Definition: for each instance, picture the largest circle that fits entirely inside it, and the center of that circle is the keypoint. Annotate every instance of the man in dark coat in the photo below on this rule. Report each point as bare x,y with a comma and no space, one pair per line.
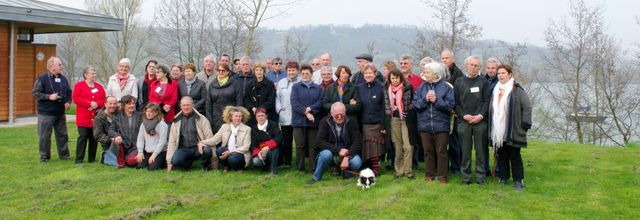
447,58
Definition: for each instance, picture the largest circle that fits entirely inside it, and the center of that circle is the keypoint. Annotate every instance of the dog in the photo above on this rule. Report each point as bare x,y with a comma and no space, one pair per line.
367,179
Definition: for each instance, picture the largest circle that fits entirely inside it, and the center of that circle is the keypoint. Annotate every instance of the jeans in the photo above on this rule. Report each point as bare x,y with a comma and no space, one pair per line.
325,158
184,157
85,135
235,161
271,161
46,123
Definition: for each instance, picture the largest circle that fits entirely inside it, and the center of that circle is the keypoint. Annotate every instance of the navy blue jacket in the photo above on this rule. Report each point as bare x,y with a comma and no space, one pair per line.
372,98
47,84
303,96
434,117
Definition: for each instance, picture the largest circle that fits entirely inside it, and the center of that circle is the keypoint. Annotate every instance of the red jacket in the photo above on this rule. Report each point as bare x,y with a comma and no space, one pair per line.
415,81
83,96
170,98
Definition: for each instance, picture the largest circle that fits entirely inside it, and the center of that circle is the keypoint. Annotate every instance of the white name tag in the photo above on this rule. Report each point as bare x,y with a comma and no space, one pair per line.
475,89
374,97
94,90
158,89
57,80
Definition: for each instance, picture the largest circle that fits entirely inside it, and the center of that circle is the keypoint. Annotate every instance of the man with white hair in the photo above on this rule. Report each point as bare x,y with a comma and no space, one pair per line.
208,73
448,59
122,82
245,76
491,71
315,64
339,142
325,60
53,95
406,64
472,106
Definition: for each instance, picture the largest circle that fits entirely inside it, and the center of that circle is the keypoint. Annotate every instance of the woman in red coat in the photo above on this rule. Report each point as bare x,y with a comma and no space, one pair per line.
164,92
89,96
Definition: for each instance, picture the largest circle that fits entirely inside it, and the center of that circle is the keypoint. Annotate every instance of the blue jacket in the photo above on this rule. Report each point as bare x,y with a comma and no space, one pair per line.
372,98
434,117
276,77
303,96
47,84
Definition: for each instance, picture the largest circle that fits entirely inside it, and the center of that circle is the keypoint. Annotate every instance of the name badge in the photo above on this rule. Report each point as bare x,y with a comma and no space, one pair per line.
94,90
158,89
57,80
374,97
475,89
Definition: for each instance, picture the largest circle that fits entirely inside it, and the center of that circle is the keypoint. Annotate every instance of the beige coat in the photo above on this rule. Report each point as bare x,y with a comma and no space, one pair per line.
243,140
202,126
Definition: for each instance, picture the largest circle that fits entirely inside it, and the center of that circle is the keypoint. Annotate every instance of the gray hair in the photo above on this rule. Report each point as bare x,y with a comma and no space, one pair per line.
336,105
472,57
186,99
52,60
86,70
125,61
406,57
492,60
246,58
326,69
426,60
210,57
438,69
449,51
370,66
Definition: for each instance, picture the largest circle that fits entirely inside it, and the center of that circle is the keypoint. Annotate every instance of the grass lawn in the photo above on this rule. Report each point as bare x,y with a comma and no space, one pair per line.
563,181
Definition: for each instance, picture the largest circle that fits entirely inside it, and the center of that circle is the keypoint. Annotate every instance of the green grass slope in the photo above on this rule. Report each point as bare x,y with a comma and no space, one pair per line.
563,181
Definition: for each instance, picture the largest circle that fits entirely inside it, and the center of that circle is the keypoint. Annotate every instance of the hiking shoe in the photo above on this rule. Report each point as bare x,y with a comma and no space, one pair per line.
518,185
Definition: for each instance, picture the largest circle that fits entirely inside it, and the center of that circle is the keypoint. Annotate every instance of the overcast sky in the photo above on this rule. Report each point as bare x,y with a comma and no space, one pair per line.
508,20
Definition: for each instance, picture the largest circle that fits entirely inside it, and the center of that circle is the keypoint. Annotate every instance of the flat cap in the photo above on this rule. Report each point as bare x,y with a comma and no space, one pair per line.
365,56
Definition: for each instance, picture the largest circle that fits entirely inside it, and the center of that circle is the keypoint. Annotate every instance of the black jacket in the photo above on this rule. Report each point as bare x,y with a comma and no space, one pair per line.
519,117
47,84
261,94
327,137
120,126
472,96
219,97
454,74
350,92
198,94
372,96
258,136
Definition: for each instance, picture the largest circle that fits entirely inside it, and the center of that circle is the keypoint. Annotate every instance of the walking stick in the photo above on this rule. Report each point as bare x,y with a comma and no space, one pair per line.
495,156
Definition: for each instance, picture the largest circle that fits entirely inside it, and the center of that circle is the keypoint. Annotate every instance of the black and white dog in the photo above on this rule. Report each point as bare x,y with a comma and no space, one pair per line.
367,179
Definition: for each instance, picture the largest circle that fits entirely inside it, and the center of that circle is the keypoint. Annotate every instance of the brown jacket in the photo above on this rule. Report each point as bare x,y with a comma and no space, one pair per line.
202,126
243,140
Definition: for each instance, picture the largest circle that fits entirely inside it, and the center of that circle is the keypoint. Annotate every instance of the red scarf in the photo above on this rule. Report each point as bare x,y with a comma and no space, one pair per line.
149,81
122,80
395,98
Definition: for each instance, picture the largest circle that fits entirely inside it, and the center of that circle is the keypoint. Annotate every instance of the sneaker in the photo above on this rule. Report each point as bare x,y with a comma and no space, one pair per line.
519,185
311,182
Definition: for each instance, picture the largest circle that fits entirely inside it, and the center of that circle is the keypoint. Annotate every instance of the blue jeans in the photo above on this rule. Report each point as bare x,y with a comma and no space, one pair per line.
184,157
234,161
325,158
271,161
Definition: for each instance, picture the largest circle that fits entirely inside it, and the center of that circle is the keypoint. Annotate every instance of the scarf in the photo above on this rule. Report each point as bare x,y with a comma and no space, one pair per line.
232,139
122,80
500,110
263,127
341,86
324,84
223,80
148,80
395,98
150,125
189,84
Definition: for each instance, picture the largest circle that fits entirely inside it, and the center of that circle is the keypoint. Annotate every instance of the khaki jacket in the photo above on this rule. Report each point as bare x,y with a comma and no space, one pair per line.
202,126
243,140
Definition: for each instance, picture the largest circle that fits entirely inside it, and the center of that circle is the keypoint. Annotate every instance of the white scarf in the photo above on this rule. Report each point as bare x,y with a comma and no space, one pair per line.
232,138
263,127
500,112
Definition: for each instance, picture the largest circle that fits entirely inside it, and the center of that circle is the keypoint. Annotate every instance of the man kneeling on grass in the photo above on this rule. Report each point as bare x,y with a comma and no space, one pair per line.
189,127
339,142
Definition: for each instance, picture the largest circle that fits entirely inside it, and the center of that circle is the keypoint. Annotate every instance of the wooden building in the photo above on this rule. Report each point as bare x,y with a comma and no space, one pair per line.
21,60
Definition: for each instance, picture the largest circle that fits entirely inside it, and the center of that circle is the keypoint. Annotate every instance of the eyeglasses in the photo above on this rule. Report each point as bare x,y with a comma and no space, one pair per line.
277,63
404,63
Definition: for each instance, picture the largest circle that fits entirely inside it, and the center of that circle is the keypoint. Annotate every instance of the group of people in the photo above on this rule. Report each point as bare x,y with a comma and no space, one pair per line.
250,115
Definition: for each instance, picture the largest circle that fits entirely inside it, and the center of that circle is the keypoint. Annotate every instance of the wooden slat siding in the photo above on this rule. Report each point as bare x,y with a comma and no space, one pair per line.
24,103
5,37
49,50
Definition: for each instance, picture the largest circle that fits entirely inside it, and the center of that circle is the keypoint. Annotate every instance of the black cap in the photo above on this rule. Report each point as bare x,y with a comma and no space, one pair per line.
365,56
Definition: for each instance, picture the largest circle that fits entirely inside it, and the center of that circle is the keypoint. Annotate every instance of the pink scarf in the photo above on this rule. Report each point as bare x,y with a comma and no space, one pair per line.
395,97
122,80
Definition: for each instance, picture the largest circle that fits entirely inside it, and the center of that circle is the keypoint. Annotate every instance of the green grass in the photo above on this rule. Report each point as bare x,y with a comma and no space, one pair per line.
563,181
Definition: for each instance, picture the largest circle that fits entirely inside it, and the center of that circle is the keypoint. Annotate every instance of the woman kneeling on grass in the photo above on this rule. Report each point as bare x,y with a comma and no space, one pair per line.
152,139
235,137
124,130
265,138
510,117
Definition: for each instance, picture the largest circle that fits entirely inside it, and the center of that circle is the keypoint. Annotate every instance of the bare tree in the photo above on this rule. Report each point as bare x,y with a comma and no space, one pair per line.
295,46
72,51
253,12
111,46
371,47
570,44
453,29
